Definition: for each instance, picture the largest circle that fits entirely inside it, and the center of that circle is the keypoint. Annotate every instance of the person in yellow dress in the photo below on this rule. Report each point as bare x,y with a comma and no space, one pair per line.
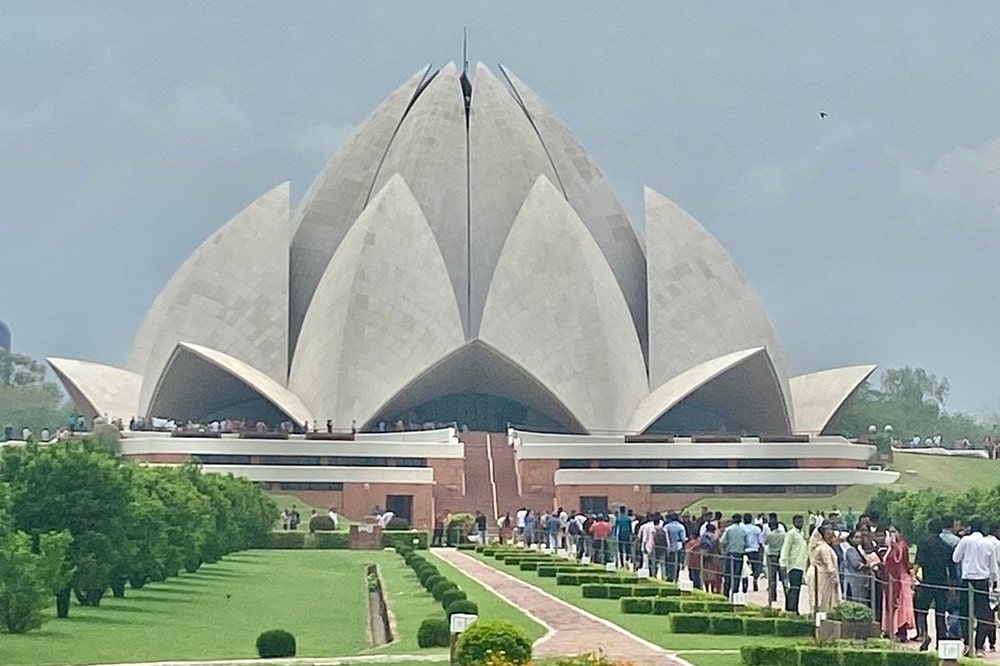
823,575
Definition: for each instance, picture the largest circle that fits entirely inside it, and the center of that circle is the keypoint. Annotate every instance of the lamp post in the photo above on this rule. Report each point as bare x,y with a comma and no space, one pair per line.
882,441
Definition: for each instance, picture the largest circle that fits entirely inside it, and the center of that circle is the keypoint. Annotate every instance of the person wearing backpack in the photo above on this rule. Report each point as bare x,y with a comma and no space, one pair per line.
661,551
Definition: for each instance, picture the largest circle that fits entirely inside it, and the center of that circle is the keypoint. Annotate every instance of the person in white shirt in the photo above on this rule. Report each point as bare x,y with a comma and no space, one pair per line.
978,559
522,514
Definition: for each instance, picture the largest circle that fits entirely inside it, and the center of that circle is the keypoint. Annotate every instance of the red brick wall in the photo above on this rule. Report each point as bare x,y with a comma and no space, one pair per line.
813,463
537,476
167,458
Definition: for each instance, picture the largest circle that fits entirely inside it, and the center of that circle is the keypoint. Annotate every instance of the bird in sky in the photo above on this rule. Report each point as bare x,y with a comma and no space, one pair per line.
822,114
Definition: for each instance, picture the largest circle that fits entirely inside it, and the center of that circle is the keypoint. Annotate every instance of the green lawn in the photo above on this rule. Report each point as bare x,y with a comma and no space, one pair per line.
654,628
917,471
712,658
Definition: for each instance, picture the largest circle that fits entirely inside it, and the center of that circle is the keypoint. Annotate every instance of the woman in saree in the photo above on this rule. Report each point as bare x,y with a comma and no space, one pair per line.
898,617
824,574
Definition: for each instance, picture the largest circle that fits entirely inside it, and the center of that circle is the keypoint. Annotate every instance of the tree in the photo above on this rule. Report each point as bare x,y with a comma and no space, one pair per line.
27,577
26,399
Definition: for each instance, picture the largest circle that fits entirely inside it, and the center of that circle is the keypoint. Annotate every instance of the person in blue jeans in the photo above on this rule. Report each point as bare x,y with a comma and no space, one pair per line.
676,536
623,533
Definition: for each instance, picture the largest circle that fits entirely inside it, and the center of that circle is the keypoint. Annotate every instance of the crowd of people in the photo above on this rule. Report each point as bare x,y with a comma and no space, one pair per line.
829,558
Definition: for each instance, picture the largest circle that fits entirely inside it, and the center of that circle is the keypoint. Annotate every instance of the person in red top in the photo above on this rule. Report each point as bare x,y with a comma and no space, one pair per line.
897,611
600,531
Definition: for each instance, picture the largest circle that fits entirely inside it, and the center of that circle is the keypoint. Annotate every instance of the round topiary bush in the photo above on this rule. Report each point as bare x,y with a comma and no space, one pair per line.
434,632
430,580
275,643
491,637
452,596
439,588
461,606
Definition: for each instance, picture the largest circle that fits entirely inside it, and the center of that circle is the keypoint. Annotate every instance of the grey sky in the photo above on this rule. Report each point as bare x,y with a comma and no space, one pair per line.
130,132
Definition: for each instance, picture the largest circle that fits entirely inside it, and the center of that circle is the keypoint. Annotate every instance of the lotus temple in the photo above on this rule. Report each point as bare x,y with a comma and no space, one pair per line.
460,314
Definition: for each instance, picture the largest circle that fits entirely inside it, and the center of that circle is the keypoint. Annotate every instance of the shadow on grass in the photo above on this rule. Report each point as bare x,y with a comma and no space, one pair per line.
130,608
179,586
94,618
152,598
214,573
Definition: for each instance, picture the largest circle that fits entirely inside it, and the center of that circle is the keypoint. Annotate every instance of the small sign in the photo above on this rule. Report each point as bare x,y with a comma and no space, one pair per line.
950,650
739,598
685,585
610,566
820,616
642,573
520,544
462,621
585,559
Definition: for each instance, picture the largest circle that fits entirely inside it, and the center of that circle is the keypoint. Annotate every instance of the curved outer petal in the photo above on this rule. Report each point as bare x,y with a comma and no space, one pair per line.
429,152
199,383
595,202
99,390
383,312
231,294
819,396
555,308
338,195
700,305
506,157
477,367
742,386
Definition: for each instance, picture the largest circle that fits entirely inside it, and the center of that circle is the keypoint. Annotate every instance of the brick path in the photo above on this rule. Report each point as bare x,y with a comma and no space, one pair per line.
571,630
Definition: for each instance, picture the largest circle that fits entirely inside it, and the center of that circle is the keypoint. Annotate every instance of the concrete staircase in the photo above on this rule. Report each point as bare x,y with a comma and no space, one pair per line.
478,475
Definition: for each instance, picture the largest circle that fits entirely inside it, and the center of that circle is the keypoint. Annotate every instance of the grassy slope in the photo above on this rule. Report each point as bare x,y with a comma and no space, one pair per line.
916,470
654,628
191,617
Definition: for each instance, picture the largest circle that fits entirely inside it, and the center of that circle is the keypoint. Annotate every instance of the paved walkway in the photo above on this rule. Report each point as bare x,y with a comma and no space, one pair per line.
571,630
304,661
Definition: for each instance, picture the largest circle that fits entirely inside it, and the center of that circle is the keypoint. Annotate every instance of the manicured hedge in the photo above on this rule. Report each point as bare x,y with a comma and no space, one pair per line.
818,656
769,655
850,657
636,605
910,659
758,626
594,591
666,605
794,627
690,623
668,591
811,655
339,540
405,538
328,541
617,591
725,624
286,540
644,591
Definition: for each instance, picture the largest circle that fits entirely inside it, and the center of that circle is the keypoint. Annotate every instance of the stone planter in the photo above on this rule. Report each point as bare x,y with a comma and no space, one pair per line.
833,630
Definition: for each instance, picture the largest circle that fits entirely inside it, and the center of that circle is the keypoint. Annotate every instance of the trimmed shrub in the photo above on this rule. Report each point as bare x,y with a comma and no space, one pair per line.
491,637
666,605
467,546
462,606
911,659
690,623
429,579
275,643
644,591
784,626
434,632
818,656
768,655
850,657
328,541
390,539
617,591
594,591
568,579
851,611
636,605
285,541
692,606
530,565
546,571
725,624
718,607
442,586
668,591
758,626
451,596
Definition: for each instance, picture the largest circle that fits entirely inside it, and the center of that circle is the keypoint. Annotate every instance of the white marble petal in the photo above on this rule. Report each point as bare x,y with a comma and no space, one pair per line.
383,312
198,382
99,390
231,294
700,305
555,308
819,396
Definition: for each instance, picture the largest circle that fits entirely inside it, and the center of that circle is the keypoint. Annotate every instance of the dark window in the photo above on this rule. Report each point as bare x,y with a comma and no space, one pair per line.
358,461
302,485
290,460
410,462
594,504
754,490
629,463
575,463
401,505
684,490
222,459
767,463
695,463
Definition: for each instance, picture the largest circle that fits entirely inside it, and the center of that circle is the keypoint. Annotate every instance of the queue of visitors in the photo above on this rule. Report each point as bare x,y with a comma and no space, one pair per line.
828,558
